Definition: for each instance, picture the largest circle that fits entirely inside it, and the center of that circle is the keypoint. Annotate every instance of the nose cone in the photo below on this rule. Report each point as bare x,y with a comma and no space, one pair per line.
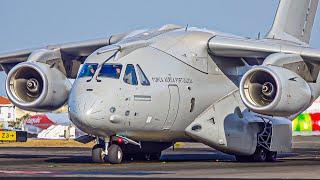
87,112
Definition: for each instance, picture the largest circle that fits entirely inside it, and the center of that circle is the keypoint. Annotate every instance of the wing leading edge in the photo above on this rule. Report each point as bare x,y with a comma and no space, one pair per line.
76,51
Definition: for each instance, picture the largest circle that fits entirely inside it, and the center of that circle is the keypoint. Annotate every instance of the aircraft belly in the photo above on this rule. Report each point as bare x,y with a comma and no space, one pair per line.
158,136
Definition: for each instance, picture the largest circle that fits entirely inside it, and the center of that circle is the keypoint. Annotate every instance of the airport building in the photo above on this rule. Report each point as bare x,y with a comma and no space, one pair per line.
7,110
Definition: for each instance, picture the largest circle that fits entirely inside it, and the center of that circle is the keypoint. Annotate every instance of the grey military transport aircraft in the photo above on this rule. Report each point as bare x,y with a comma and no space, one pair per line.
137,93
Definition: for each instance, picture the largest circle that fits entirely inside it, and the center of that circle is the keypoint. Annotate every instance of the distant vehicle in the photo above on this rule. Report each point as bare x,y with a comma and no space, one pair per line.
139,92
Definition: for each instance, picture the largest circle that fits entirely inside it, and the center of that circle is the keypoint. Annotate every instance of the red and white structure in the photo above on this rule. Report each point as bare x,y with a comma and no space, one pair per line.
51,126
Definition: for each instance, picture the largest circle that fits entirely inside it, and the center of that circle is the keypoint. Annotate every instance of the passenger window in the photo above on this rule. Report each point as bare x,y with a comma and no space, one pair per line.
130,76
110,71
143,78
88,70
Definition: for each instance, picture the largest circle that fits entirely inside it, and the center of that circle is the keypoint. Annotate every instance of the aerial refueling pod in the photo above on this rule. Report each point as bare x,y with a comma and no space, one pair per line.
36,86
273,90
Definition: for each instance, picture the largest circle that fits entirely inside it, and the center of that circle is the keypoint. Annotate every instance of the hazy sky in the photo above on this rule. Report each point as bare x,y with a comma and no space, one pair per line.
36,23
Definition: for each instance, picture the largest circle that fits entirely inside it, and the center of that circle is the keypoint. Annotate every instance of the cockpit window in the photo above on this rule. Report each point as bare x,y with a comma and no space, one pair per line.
110,71
143,78
88,70
130,76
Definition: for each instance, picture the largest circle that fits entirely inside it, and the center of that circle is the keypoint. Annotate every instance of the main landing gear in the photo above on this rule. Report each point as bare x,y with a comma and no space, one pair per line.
118,149
260,155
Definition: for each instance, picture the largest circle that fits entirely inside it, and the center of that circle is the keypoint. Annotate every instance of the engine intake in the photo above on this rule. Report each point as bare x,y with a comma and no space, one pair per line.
36,86
275,91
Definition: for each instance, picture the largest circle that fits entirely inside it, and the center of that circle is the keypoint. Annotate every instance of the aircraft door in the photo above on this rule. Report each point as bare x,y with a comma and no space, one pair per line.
173,106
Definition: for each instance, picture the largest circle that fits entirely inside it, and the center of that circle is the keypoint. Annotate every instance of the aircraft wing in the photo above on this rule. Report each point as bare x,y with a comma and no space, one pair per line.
248,48
76,51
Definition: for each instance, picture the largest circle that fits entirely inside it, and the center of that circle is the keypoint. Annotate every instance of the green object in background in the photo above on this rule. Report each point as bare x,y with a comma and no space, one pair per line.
302,123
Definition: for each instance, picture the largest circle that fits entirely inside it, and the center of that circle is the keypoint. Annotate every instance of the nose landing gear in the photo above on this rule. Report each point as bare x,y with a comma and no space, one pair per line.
98,153
107,150
115,154
116,149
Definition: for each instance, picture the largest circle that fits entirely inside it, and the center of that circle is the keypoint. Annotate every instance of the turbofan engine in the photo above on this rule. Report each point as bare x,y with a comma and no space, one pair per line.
273,90
36,86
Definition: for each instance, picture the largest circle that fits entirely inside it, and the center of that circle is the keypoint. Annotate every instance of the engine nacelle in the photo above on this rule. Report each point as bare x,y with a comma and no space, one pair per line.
36,86
273,90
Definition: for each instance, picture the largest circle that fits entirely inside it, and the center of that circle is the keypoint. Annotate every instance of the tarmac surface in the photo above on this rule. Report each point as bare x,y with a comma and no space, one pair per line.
190,161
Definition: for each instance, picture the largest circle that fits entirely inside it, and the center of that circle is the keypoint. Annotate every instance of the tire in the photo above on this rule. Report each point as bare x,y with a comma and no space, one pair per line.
115,154
98,154
260,155
271,156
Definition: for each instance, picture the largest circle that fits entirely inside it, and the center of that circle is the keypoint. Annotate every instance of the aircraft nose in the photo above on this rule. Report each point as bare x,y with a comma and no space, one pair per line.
86,111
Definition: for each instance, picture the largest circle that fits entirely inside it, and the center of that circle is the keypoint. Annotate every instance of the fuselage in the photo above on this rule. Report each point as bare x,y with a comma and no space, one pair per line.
158,87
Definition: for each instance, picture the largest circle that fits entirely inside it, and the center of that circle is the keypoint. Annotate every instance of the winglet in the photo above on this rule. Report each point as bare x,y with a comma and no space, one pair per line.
294,21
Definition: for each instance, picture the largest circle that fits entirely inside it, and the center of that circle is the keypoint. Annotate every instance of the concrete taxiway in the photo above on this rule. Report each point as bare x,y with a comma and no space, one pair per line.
189,161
